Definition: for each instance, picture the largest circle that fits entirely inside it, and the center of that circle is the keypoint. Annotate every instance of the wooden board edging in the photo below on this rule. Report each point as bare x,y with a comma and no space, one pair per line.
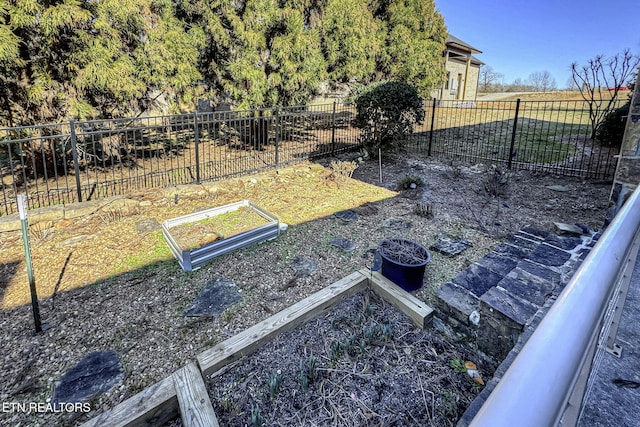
153,406
184,392
416,309
245,342
195,405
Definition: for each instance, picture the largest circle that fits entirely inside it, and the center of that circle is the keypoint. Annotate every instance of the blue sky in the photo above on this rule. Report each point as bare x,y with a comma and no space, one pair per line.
518,37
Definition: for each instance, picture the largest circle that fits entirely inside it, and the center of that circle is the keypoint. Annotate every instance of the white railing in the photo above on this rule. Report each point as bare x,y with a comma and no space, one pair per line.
536,388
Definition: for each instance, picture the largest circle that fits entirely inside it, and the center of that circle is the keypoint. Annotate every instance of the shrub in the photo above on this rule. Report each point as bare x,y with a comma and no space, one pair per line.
424,209
496,181
386,113
611,130
405,183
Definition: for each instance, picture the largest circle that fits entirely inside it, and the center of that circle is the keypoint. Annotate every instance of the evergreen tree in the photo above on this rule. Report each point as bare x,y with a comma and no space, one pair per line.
415,37
103,69
351,40
215,18
167,57
10,64
63,59
36,84
85,59
133,48
275,60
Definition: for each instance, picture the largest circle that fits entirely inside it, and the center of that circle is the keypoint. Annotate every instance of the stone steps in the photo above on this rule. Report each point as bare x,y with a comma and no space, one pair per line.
499,300
494,298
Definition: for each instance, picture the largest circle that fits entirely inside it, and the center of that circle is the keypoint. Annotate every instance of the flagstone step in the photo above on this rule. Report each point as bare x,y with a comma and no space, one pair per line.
494,298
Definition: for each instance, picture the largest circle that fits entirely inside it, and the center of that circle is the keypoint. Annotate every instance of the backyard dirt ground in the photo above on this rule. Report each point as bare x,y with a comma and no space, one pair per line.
106,284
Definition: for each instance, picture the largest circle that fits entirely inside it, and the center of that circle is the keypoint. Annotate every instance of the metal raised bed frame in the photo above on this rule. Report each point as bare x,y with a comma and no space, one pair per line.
193,259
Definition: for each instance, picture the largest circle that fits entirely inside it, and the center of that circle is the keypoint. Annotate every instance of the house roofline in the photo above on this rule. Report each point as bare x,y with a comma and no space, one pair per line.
456,43
463,59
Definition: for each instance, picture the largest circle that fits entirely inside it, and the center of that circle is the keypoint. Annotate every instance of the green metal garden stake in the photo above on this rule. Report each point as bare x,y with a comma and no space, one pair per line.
380,163
22,210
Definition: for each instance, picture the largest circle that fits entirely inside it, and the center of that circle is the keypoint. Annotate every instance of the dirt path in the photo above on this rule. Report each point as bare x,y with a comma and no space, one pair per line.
499,96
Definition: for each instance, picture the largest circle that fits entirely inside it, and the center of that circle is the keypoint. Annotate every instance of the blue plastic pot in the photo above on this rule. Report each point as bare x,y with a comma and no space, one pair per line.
404,262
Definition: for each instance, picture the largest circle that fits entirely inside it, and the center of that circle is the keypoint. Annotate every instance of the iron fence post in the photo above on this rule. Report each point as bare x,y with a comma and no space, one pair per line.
277,136
333,130
513,134
196,137
74,154
433,118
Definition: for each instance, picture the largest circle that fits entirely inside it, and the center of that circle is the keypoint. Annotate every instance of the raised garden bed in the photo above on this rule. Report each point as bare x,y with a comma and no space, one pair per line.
199,237
183,394
363,363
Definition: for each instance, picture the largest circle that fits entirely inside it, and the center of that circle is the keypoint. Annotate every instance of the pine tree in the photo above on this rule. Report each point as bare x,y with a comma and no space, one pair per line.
415,37
275,59
351,40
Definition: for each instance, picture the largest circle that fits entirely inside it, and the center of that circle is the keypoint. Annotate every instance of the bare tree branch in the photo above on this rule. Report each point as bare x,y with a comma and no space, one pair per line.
488,79
542,81
599,83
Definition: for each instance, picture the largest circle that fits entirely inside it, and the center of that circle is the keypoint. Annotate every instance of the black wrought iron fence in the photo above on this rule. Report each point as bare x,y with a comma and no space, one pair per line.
544,136
77,161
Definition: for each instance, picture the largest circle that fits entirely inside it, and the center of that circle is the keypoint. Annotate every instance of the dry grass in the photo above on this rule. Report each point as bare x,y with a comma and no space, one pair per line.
555,95
108,243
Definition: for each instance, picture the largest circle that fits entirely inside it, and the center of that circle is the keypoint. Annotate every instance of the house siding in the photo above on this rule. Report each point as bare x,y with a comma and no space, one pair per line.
449,90
461,83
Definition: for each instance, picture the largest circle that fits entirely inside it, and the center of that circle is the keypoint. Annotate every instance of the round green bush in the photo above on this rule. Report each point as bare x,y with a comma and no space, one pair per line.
386,114
611,130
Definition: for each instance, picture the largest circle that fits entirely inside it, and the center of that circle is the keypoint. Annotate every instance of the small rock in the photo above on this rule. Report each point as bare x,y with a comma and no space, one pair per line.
304,266
560,188
568,228
77,239
344,244
217,295
475,375
148,225
450,246
94,374
474,317
347,216
366,209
